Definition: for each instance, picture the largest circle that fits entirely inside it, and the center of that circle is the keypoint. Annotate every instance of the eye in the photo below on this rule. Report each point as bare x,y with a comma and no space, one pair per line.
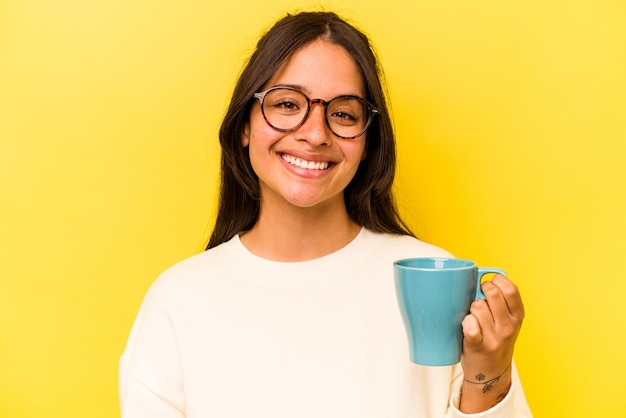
285,102
286,105
345,116
346,110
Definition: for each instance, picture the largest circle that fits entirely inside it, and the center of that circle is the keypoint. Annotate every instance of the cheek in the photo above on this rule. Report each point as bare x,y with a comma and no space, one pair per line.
355,156
259,133
359,152
260,142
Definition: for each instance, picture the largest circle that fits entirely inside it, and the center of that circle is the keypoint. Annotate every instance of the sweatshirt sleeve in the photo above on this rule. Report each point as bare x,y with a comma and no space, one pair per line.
150,378
514,405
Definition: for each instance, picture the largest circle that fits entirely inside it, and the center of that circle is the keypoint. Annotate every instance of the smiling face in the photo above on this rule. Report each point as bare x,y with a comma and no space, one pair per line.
310,166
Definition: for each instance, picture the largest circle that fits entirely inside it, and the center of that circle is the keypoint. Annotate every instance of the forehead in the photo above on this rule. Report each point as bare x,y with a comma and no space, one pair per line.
322,70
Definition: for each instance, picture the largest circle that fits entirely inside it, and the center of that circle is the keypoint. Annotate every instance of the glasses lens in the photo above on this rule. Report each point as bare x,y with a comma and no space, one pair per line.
284,109
347,116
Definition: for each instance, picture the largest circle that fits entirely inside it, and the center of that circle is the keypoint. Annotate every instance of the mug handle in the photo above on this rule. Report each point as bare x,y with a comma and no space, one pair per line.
479,275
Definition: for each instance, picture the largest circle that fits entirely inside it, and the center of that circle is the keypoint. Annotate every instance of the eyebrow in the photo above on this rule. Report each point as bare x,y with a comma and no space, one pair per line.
294,86
306,91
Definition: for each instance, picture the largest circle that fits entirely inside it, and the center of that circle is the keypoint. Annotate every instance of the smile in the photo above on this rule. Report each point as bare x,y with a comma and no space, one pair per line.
311,165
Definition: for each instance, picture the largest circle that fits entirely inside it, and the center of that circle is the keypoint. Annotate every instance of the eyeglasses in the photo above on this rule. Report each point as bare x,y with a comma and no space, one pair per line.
286,109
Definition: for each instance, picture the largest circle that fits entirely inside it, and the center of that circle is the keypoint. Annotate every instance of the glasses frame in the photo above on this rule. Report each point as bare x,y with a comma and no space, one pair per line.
373,111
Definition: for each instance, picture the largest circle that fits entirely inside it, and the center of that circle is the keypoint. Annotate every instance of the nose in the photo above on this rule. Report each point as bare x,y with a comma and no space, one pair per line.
314,129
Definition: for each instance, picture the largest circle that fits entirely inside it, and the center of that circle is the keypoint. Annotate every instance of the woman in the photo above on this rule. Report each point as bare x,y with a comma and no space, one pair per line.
291,311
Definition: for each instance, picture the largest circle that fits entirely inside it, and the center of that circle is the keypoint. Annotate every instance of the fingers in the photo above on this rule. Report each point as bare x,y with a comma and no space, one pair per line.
511,295
496,303
504,300
499,317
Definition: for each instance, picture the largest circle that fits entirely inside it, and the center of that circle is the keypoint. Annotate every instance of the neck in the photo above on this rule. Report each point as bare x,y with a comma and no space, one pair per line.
300,234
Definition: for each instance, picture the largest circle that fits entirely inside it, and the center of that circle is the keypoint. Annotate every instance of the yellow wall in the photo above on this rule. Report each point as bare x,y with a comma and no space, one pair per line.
512,127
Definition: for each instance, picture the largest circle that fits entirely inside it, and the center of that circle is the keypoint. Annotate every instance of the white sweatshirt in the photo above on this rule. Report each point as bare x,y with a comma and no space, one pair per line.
227,334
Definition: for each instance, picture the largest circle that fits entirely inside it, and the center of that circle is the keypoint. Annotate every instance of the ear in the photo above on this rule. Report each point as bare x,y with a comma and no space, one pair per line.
245,135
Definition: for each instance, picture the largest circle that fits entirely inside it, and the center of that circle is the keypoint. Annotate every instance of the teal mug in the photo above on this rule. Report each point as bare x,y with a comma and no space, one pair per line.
434,295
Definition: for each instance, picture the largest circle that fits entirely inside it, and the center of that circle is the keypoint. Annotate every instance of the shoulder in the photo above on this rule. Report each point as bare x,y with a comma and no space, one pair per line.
195,272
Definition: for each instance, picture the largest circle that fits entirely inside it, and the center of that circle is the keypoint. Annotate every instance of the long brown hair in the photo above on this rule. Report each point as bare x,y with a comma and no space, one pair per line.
368,197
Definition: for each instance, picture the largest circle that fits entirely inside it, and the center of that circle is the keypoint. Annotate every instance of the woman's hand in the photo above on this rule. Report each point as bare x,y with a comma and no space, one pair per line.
490,331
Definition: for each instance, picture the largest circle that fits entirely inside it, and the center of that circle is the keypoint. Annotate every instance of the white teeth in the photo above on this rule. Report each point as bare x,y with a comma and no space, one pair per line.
311,165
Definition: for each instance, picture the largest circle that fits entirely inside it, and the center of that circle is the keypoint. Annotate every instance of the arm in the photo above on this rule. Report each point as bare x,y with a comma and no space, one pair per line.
150,382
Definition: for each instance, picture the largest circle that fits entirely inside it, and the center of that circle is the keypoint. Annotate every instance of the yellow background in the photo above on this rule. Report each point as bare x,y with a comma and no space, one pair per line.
512,128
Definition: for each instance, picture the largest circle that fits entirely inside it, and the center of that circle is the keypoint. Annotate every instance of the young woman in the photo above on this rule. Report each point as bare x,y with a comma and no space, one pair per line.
291,311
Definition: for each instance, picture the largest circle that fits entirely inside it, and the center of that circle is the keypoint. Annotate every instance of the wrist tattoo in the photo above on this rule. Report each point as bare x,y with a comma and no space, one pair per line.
488,384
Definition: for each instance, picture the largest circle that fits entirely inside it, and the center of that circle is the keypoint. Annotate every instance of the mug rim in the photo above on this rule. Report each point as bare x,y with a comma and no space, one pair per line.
403,263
